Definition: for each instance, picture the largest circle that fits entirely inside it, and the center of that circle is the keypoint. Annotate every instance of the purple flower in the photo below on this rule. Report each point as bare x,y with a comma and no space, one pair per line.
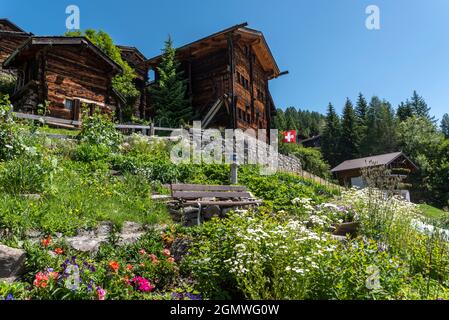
9,297
192,296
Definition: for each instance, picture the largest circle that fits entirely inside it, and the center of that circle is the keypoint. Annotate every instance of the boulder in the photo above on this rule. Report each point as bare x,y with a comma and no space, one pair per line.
104,229
86,243
130,227
12,262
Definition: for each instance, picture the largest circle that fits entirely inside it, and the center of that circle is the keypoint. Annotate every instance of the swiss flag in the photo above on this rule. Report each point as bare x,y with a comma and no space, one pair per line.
289,136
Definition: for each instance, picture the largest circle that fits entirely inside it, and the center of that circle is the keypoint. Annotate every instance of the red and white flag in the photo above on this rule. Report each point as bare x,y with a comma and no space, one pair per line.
289,136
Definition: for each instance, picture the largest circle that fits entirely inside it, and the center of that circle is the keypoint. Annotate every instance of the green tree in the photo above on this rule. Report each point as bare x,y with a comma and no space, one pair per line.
169,93
279,121
381,129
331,137
350,137
419,106
361,113
420,139
123,82
445,125
404,111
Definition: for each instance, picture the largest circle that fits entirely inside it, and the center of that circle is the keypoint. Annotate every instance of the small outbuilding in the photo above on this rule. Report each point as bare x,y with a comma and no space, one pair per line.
349,172
66,73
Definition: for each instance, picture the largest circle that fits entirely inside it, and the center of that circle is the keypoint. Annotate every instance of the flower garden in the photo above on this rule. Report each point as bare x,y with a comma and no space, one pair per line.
52,190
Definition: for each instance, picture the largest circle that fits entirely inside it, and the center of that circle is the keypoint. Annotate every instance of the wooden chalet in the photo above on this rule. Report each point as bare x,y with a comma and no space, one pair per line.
68,72
349,173
313,142
137,61
11,37
228,74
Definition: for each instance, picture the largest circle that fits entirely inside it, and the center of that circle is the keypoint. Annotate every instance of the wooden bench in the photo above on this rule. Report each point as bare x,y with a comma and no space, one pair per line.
211,198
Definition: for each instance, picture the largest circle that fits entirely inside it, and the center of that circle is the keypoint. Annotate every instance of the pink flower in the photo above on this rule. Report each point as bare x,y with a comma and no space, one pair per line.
142,284
101,293
154,259
166,252
142,251
171,260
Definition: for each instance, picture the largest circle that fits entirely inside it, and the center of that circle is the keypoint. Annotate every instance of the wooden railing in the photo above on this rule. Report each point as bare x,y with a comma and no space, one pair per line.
147,130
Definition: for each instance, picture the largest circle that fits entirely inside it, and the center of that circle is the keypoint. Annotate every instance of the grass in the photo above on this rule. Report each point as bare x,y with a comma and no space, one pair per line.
66,132
80,197
432,212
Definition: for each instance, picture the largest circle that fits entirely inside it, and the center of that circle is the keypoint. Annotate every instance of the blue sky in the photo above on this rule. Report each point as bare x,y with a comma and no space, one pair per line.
323,43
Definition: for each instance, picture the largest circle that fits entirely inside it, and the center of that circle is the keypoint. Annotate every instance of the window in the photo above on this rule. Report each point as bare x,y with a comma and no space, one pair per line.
242,81
68,104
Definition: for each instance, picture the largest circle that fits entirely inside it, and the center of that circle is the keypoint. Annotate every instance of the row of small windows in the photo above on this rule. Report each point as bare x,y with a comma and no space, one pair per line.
245,116
242,81
245,84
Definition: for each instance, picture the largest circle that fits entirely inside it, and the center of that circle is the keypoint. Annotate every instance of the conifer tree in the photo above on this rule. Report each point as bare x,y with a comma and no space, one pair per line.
350,138
404,111
169,93
419,106
331,136
445,125
361,113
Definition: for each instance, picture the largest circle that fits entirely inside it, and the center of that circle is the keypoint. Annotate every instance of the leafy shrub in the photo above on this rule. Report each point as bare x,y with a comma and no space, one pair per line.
7,84
30,173
311,159
10,140
87,152
98,129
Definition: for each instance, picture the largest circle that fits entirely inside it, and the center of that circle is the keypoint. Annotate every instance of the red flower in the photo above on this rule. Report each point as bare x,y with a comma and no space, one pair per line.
114,265
41,280
129,267
166,252
154,259
46,242
59,251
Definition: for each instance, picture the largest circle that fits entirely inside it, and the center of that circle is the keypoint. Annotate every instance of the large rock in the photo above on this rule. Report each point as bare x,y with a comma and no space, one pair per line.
131,232
12,262
86,243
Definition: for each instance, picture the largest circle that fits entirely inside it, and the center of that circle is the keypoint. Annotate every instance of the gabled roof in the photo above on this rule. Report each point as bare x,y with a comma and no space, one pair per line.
256,38
133,49
12,26
379,160
36,43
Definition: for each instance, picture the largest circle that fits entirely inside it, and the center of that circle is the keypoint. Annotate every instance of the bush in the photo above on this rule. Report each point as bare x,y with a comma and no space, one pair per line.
98,129
311,159
10,140
258,256
28,174
7,84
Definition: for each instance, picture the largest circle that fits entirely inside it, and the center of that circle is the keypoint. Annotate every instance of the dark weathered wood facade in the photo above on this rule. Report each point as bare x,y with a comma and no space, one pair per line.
66,72
230,69
11,37
137,61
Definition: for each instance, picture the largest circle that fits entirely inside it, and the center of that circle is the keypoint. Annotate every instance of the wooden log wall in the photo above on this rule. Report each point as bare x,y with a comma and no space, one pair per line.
74,72
250,88
209,80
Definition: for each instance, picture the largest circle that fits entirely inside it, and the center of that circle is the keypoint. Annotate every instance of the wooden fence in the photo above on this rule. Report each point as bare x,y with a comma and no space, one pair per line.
75,125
